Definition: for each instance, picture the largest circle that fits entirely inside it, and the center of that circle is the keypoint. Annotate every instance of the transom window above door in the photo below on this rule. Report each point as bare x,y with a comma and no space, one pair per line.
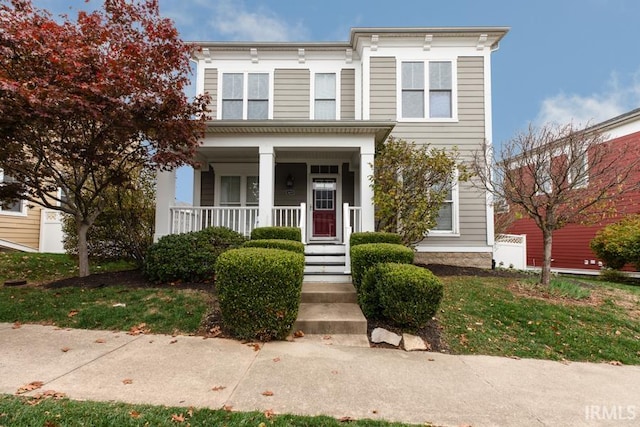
328,169
245,96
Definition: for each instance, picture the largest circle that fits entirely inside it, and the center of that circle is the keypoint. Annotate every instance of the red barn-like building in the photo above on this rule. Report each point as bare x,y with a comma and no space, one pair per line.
571,243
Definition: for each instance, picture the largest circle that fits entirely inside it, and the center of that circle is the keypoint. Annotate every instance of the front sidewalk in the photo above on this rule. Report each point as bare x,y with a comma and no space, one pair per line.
312,378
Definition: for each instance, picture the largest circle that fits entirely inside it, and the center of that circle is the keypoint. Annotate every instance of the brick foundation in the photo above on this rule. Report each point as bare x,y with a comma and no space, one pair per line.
461,259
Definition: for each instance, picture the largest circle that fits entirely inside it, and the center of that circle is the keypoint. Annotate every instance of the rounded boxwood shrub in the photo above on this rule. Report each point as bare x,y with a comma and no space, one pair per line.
368,296
374,237
189,257
619,243
259,291
287,245
409,295
284,233
367,255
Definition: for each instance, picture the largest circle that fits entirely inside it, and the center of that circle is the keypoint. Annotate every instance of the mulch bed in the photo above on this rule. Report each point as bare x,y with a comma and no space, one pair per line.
212,324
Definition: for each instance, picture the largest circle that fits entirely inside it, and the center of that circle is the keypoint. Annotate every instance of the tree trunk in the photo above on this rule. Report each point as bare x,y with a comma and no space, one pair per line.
83,250
547,239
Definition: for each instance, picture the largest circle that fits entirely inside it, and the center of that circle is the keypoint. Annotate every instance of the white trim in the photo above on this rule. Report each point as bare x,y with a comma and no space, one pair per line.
312,91
488,126
454,90
16,246
23,204
455,211
454,249
197,185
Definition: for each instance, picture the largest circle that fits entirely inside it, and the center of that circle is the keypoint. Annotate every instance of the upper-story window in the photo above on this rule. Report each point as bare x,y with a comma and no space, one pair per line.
427,95
245,96
325,96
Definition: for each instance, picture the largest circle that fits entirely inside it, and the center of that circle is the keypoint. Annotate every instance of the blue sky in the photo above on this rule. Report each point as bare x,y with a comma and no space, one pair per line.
562,60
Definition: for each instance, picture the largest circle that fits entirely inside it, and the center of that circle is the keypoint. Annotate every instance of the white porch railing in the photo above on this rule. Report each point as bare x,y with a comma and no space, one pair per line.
352,216
195,218
291,216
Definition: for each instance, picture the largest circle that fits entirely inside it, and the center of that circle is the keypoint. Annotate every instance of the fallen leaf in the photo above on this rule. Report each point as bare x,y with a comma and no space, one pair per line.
73,313
618,333
177,418
334,372
267,393
215,331
190,411
615,363
375,411
134,414
127,381
100,341
218,388
276,359
514,357
256,347
431,360
326,337
464,340
269,413
227,408
346,420
139,329
34,385
16,325
298,334
173,341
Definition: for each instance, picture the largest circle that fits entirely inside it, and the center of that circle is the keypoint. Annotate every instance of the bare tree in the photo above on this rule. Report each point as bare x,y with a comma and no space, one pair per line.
557,175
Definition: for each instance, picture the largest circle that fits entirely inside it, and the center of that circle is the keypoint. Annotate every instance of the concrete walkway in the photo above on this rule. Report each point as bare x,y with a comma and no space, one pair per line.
314,377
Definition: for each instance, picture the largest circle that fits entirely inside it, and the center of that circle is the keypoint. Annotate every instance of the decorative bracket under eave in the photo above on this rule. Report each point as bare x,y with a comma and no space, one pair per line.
482,41
349,56
301,58
254,55
428,39
374,42
206,54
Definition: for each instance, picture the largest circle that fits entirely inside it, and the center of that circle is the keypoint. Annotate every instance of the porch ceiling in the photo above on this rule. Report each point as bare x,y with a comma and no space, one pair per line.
380,130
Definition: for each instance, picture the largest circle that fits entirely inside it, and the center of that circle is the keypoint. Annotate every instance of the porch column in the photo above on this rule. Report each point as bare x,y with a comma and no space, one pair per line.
265,198
165,197
366,192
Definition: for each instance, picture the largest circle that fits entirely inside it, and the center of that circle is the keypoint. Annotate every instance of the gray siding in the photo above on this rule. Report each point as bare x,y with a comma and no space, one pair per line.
348,185
211,86
206,187
291,94
282,196
348,94
467,134
383,88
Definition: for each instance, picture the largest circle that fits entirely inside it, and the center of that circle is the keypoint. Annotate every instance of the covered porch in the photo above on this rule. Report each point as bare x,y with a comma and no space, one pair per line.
306,174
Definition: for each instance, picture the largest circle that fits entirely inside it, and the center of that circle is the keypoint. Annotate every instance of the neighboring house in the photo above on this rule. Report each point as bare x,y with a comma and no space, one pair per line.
294,128
29,228
571,243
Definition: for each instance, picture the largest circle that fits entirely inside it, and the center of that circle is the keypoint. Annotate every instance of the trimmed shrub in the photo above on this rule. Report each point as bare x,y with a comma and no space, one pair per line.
374,237
368,295
367,255
287,245
619,243
259,291
409,295
282,233
189,257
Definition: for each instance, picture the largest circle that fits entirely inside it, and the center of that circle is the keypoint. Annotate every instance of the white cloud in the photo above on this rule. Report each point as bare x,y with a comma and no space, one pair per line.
232,20
617,98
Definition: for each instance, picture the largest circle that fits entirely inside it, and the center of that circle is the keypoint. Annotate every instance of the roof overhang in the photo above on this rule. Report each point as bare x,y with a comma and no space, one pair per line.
380,130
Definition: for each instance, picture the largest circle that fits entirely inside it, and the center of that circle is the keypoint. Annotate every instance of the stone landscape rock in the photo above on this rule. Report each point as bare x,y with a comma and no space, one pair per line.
414,343
379,335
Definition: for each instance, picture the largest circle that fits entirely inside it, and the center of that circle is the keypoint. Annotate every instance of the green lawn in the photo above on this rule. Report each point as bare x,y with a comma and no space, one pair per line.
21,411
36,268
488,316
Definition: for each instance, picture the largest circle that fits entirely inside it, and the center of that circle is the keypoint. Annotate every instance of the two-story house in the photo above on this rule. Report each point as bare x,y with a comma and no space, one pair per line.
294,128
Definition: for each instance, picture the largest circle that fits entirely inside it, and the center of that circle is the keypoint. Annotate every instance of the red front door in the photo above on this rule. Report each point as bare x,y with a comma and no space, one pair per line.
324,207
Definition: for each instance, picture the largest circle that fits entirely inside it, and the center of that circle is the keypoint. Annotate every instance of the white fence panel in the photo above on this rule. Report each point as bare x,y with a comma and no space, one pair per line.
510,251
51,235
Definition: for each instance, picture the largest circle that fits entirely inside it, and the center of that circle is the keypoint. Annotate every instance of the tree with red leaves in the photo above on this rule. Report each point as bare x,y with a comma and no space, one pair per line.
86,103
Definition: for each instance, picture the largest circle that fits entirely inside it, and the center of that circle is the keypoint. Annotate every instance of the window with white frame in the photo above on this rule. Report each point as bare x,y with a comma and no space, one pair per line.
15,208
239,190
447,221
579,171
426,95
245,96
325,96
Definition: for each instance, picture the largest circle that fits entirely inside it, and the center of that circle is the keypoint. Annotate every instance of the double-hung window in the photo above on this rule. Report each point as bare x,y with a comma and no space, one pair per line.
238,190
325,96
245,96
427,95
15,208
447,221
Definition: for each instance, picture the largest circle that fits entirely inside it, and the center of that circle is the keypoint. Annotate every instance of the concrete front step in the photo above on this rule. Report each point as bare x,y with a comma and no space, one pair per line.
331,318
328,293
324,259
327,278
318,249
